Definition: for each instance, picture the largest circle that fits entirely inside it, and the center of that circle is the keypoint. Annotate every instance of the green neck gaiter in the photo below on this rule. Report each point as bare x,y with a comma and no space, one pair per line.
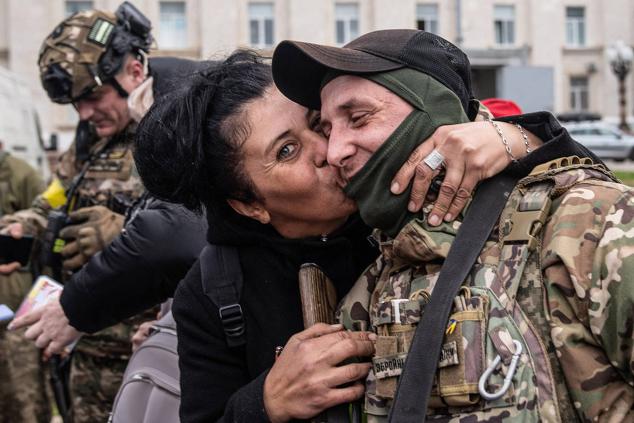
434,105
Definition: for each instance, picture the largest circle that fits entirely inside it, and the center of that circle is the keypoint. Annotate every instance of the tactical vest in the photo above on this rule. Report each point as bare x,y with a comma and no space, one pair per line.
111,179
497,361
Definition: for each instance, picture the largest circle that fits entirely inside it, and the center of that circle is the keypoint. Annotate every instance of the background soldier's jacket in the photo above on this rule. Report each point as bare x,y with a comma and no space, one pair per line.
571,302
19,184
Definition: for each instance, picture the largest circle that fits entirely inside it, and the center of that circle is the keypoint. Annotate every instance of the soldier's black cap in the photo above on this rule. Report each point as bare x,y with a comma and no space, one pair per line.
299,68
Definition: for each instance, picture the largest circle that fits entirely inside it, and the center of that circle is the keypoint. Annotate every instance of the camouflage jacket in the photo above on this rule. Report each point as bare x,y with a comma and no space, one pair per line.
565,295
111,180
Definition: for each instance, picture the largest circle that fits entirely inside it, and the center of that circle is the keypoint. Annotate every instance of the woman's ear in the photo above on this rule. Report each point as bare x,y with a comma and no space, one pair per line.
254,210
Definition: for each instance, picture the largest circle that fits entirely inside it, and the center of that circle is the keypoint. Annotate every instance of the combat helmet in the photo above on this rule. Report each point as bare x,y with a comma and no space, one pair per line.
87,49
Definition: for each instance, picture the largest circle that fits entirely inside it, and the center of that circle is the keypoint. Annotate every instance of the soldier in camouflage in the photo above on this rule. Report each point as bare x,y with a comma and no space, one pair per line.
71,68
542,327
19,360
97,61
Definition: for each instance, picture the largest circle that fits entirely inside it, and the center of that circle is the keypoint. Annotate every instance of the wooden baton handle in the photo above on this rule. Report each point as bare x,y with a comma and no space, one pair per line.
318,294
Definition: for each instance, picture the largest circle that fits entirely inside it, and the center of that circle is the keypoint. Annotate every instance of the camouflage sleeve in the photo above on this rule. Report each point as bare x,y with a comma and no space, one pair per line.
33,221
34,218
611,294
588,262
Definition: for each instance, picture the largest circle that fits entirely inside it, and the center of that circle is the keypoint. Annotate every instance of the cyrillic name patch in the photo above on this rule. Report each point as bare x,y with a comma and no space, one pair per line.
388,366
448,355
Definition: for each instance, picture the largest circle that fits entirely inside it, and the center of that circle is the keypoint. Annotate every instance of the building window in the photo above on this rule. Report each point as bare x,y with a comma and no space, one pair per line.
575,26
172,25
579,93
74,6
427,17
504,22
346,22
261,25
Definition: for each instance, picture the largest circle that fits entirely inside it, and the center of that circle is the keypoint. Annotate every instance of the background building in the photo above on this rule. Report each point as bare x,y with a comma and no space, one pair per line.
544,54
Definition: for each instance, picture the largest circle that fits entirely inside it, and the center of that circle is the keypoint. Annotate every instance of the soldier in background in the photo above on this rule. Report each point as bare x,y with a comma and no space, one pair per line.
25,401
98,62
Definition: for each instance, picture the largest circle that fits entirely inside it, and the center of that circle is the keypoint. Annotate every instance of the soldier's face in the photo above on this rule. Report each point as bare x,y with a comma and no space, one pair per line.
357,116
105,109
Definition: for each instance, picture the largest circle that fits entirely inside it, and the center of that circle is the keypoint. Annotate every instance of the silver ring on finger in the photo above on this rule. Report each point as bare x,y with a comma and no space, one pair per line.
434,159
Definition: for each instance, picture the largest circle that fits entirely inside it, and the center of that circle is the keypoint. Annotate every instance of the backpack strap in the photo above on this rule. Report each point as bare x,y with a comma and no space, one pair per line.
222,282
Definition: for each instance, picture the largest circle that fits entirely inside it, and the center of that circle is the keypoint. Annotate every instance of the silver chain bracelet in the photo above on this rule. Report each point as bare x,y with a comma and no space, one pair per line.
498,128
528,147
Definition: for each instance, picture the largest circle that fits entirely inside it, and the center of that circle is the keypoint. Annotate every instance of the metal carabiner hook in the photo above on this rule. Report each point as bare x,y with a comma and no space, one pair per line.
491,396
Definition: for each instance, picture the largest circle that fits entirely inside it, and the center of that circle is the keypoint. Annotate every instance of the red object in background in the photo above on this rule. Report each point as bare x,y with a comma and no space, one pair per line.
500,107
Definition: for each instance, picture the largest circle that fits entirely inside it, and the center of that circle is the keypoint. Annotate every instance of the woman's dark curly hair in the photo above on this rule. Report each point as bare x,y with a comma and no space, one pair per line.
189,144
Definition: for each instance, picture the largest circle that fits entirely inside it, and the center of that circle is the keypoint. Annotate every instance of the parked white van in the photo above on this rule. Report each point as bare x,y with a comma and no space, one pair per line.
19,124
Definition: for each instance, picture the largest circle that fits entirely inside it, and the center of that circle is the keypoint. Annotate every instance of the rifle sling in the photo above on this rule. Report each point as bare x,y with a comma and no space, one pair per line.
417,378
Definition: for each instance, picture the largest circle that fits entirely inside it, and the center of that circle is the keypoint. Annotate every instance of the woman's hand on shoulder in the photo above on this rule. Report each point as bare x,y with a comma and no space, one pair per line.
472,152
307,377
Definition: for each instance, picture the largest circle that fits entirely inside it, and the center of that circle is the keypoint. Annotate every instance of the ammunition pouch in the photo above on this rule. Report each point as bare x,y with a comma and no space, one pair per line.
472,342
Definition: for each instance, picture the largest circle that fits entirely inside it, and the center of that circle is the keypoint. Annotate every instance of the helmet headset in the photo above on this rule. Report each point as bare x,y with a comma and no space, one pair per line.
89,48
